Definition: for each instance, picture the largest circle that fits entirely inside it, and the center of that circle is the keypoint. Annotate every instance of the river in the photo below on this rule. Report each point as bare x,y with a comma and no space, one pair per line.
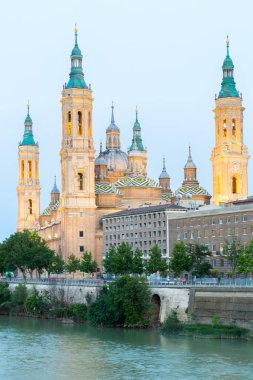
33,349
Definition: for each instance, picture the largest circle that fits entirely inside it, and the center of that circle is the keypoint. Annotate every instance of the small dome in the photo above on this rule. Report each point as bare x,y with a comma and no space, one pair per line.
112,127
28,120
136,126
100,161
228,63
76,51
116,159
164,175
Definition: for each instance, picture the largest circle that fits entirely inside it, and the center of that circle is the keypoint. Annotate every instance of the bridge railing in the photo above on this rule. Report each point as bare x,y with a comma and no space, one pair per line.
204,283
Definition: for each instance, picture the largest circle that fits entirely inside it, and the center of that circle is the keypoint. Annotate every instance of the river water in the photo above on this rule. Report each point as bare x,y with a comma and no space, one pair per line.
33,349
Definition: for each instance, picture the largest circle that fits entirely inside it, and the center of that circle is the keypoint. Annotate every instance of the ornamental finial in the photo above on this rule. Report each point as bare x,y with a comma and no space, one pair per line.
164,168
28,107
136,112
227,43
76,31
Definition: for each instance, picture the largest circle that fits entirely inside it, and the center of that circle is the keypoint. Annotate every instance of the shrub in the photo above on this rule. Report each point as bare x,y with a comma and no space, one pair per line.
172,324
126,302
77,311
216,321
37,303
19,297
5,297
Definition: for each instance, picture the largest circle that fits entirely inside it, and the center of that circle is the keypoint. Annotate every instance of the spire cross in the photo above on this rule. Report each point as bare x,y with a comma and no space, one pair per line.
28,107
112,118
136,112
190,154
227,42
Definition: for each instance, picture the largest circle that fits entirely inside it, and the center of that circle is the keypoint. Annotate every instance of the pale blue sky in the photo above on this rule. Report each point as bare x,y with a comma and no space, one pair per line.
165,56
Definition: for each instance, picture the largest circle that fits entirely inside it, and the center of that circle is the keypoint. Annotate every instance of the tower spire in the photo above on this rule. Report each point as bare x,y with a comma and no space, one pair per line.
112,117
28,132
228,88
76,76
164,168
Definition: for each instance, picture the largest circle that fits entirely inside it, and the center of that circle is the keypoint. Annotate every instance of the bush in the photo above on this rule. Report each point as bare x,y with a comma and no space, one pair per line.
126,302
18,298
216,321
5,297
37,303
172,324
77,311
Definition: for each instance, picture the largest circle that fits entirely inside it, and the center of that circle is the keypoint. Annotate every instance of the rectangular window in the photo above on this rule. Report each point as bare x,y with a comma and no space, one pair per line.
222,263
220,221
192,235
81,248
185,235
236,219
244,231
81,234
221,232
178,236
213,233
206,233
244,219
199,234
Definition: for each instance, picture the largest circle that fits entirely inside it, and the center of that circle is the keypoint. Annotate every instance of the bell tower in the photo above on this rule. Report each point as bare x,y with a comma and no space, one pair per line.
28,188
77,162
230,155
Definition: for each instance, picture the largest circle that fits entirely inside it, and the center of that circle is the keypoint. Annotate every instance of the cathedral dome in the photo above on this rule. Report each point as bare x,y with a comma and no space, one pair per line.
192,190
100,160
116,159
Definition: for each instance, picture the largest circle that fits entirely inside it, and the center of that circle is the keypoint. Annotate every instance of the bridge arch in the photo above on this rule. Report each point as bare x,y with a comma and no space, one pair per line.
156,309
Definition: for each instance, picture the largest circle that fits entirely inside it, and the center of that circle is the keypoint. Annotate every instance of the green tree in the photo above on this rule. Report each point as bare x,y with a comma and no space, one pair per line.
126,302
56,265
25,251
73,264
199,253
245,260
156,263
232,251
19,297
137,266
119,260
180,259
87,265
110,261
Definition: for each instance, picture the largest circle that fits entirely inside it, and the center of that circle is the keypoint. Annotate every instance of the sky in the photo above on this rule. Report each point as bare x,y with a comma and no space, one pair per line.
164,56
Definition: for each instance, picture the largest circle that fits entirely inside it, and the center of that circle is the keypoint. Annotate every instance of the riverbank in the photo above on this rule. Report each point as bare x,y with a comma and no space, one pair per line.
216,330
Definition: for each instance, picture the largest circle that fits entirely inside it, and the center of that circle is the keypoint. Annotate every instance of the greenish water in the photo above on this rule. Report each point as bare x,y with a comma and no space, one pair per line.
33,349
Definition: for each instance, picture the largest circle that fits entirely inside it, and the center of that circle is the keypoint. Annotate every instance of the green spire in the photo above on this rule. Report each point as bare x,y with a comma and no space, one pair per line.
137,140
76,77
228,88
28,133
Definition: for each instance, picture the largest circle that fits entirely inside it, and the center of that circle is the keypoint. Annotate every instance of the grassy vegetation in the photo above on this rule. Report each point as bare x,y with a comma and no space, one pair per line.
216,330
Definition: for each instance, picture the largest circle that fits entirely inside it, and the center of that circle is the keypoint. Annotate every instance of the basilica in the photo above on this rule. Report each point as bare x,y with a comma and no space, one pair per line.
114,180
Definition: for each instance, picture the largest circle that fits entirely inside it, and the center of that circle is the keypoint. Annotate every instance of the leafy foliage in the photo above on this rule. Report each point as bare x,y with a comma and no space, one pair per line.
19,297
73,264
37,303
125,303
87,265
180,259
156,263
232,251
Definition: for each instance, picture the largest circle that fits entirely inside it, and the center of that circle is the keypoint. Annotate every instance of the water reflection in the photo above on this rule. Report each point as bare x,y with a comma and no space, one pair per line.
39,349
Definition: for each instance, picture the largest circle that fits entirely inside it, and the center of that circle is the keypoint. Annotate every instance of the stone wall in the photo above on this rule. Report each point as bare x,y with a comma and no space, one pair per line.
231,305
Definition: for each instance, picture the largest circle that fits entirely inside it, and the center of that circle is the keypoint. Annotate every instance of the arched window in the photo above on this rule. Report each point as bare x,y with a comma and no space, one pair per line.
80,126
233,127
80,181
22,169
29,169
30,206
234,185
89,125
115,141
69,123
224,128
36,170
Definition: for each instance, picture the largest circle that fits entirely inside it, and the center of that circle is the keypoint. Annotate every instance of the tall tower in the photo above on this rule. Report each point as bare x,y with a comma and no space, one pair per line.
229,156
77,162
28,189
137,154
